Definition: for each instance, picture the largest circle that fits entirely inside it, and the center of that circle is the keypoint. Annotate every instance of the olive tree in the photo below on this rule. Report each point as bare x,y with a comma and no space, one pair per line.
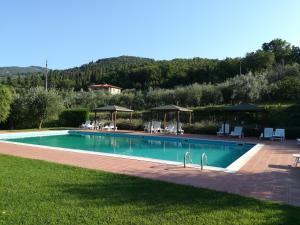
5,101
42,105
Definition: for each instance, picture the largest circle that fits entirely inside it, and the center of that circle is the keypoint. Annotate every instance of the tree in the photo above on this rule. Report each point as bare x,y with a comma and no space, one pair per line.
5,101
259,60
280,48
247,88
43,105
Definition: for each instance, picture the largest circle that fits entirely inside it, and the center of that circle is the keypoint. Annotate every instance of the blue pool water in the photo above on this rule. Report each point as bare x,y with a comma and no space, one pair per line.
219,153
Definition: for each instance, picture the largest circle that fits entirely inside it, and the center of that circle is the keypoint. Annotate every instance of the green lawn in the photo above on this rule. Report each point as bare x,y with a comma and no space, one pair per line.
36,192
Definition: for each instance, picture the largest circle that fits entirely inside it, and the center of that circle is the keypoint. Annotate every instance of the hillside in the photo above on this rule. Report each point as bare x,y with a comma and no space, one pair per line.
16,70
131,72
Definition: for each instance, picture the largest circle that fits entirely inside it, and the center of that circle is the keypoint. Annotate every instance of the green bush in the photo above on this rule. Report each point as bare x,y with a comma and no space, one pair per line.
123,124
201,128
73,117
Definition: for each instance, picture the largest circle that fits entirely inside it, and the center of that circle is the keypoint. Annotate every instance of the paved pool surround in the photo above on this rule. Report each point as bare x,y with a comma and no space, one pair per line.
268,174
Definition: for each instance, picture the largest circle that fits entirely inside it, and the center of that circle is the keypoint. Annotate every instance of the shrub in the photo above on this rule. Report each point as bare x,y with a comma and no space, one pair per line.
73,117
123,124
201,128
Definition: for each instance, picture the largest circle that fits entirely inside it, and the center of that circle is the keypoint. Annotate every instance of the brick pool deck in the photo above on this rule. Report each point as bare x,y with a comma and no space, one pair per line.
267,175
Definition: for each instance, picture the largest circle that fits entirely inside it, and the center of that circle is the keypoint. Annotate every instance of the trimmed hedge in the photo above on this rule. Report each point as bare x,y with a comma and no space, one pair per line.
126,125
73,117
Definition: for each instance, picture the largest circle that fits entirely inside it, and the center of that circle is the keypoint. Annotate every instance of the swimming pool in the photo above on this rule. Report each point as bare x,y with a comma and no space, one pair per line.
220,154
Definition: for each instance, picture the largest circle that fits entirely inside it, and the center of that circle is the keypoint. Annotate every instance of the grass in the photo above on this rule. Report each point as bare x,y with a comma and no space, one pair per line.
38,192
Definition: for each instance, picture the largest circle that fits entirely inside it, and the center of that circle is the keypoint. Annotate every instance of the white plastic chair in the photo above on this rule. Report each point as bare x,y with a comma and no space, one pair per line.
221,132
268,133
279,134
237,132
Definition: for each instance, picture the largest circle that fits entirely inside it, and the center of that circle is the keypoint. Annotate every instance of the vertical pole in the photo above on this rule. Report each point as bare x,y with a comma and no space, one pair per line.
240,66
115,121
151,122
177,122
190,119
131,120
165,120
95,116
46,77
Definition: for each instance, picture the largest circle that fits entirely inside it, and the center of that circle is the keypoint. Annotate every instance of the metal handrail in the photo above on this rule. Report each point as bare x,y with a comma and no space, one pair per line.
186,156
203,157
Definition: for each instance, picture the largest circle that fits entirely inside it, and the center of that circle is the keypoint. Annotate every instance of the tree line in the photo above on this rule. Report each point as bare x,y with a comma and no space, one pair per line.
142,73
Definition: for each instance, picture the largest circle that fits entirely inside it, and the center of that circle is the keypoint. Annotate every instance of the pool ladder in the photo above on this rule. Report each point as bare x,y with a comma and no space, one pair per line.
203,159
188,157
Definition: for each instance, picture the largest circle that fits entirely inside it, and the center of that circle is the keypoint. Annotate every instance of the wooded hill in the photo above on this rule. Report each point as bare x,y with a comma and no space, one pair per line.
131,72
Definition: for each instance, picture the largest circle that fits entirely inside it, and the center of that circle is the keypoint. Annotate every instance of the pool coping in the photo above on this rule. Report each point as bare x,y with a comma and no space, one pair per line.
234,167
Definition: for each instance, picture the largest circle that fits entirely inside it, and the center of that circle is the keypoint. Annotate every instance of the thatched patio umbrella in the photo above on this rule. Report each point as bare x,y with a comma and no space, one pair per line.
113,109
171,108
244,108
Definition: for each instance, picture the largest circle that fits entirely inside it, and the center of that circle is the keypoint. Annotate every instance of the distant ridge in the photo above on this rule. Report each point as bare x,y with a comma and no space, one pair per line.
17,70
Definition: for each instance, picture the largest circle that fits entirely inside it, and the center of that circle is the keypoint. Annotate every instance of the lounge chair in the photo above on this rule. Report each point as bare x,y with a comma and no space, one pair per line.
156,126
84,125
223,131
297,159
268,133
87,125
237,132
172,128
298,141
279,134
147,127
109,127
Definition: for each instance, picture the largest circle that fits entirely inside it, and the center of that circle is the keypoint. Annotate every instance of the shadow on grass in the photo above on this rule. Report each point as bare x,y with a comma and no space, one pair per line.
154,197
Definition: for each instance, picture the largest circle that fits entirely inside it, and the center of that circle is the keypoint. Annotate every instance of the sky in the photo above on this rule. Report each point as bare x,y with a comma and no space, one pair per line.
70,33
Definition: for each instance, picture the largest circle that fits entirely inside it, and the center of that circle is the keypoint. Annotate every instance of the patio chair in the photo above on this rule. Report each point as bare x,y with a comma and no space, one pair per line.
279,134
156,126
297,159
109,127
298,141
148,127
223,131
268,133
86,124
172,128
237,132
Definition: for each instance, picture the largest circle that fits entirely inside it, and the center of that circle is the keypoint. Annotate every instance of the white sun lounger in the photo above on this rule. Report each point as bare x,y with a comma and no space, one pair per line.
237,132
223,131
156,126
268,133
279,134
147,127
109,127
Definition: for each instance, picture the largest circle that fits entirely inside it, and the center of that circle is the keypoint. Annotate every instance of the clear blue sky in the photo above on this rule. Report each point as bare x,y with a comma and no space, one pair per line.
73,32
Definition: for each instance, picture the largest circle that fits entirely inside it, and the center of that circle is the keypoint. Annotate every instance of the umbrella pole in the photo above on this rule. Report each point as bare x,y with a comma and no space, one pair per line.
165,120
177,122
95,116
131,120
151,123
115,121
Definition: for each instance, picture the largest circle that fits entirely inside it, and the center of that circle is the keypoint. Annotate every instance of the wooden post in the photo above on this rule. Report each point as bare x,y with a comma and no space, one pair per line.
190,119
151,122
131,120
165,120
95,117
115,121
177,122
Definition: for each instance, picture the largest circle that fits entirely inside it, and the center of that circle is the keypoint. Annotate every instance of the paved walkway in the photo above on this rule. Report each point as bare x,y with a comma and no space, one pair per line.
268,175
